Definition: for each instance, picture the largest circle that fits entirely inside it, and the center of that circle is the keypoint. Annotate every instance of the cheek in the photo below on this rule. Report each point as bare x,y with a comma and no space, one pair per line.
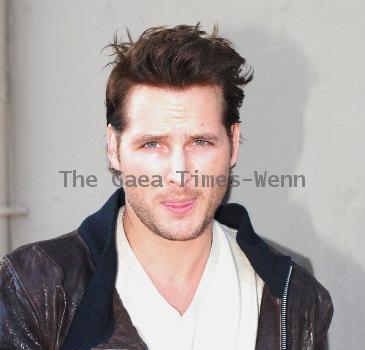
135,164
215,164
212,177
137,197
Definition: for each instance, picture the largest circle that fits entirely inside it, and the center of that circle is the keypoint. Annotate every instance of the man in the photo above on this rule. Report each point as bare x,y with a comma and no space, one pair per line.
164,264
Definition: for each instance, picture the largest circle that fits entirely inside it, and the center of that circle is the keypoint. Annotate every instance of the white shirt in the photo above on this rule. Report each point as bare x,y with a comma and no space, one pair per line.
223,313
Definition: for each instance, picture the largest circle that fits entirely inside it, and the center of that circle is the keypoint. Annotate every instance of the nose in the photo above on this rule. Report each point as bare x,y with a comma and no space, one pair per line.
178,170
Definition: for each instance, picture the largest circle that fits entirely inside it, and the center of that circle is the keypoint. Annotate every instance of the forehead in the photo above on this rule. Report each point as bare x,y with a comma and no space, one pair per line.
150,107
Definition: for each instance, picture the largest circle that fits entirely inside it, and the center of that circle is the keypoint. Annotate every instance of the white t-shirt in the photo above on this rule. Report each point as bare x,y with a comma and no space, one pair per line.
223,313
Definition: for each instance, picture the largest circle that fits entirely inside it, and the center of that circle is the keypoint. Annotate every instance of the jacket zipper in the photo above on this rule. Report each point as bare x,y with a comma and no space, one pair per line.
283,315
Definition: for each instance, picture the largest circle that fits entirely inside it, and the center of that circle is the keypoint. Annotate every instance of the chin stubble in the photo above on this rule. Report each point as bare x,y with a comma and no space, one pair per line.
146,217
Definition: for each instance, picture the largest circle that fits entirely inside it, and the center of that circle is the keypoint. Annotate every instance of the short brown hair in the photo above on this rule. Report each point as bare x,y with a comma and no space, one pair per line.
177,57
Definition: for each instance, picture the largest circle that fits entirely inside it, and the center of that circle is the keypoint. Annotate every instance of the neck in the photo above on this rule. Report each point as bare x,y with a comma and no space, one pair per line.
177,262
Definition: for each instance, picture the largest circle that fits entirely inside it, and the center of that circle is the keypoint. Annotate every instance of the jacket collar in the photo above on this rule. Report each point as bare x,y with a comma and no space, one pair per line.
93,321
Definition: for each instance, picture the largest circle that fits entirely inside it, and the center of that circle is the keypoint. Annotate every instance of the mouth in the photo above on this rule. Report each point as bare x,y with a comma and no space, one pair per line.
179,206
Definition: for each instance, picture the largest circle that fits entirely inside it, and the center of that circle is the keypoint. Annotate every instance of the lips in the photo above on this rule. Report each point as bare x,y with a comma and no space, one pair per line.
178,202
179,206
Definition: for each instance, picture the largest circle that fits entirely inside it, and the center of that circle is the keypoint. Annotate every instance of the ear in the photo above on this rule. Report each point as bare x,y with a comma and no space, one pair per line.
112,147
235,139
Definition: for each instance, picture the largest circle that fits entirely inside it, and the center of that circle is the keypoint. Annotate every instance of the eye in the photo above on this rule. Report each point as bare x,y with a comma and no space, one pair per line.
202,143
150,144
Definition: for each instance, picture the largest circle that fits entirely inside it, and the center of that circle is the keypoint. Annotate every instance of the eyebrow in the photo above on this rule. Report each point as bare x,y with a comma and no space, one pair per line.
139,139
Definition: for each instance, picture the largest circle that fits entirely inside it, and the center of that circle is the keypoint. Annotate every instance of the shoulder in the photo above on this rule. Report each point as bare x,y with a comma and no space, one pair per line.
63,259
41,285
306,290
62,242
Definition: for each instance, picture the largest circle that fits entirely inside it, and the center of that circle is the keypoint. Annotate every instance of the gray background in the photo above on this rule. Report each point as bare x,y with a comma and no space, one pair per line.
303,114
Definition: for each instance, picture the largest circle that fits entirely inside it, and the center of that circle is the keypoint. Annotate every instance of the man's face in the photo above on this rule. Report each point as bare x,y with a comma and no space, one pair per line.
170,131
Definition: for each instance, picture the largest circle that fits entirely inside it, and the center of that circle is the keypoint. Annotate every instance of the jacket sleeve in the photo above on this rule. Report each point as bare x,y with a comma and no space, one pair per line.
310,312
324,316
19,327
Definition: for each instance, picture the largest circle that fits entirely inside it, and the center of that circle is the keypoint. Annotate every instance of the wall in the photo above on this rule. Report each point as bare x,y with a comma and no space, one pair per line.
303,115
4,222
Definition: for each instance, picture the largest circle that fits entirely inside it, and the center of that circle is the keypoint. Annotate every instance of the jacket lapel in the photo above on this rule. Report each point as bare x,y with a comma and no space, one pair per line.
93,321
268,331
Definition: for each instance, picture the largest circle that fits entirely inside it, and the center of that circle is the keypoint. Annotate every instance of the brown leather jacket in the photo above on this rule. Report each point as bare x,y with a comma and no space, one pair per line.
60,293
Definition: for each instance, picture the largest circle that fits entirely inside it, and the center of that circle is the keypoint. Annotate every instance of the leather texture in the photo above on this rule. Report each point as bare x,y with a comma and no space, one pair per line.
41,285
